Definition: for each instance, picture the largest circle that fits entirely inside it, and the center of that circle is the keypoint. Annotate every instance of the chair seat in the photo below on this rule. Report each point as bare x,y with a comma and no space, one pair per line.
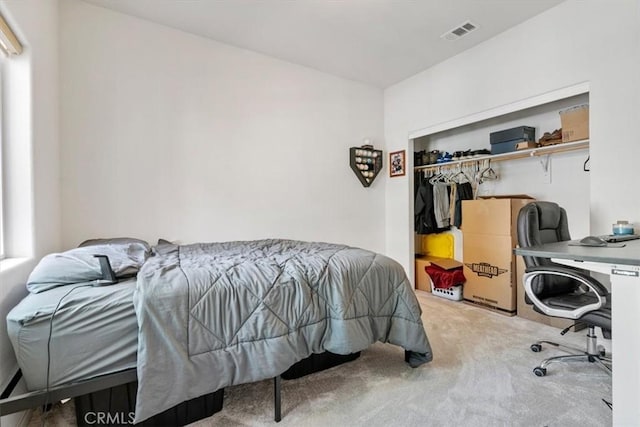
600,318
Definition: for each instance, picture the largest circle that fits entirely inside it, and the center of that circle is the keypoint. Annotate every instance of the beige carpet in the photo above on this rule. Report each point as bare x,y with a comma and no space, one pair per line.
481,375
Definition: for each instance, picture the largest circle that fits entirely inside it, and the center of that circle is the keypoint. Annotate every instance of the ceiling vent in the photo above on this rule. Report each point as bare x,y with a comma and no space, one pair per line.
459,31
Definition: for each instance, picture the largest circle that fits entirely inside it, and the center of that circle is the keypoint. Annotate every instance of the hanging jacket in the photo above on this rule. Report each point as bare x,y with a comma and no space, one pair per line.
425,220
463,192
424,212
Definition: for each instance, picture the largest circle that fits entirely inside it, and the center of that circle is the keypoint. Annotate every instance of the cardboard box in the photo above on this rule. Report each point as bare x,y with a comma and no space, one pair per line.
575,123
526,311
445,263
493,214
423,281
417,239
489,236
488,268
526,145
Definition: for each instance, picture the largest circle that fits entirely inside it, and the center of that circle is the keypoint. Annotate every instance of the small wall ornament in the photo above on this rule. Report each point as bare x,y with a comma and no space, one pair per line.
366,162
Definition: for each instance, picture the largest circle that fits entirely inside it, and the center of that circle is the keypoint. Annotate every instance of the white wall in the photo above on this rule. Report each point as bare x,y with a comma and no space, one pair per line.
169,135
31,163
595,42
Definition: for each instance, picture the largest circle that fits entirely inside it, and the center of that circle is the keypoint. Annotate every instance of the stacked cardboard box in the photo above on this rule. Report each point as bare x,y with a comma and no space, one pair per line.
489,236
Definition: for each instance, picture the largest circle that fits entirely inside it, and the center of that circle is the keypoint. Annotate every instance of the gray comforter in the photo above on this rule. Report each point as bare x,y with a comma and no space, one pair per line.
214,315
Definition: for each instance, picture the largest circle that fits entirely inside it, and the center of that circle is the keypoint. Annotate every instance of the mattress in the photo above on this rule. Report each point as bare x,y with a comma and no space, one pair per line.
94,333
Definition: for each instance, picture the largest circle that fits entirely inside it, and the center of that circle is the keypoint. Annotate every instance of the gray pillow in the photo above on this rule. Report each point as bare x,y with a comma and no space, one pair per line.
79,265
115,240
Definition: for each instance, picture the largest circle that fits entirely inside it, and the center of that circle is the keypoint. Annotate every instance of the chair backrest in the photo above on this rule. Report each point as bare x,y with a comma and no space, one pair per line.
539,223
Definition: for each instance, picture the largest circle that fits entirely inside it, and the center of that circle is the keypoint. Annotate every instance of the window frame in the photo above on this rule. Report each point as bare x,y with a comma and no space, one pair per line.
2,180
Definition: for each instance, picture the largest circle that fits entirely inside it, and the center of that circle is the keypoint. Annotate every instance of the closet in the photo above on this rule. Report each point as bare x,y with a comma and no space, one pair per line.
554,172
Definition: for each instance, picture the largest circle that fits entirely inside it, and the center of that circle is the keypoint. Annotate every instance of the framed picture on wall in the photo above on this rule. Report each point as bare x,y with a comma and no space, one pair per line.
397,163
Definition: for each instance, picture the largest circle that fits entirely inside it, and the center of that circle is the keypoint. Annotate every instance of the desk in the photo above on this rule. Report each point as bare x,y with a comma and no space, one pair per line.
623,267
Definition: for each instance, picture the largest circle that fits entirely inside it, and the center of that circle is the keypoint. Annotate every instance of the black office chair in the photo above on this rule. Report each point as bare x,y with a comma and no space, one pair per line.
559,291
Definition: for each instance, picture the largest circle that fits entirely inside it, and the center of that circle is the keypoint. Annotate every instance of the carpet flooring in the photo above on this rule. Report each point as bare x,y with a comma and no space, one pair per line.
481,375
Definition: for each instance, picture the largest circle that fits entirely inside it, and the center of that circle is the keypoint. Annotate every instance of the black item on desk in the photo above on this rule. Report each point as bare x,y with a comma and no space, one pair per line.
593,241
614,238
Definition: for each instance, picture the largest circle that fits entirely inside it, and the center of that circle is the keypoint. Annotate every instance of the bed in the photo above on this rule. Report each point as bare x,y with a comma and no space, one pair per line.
94,333
206,316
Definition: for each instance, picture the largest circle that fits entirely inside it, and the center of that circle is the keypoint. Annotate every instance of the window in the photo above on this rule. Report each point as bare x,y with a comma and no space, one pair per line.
1,168
9,46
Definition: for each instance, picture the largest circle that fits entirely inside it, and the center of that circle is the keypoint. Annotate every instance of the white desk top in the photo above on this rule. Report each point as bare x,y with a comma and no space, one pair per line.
627,255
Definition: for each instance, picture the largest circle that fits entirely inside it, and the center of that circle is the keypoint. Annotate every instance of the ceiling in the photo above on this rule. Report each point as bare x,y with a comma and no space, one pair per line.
378,42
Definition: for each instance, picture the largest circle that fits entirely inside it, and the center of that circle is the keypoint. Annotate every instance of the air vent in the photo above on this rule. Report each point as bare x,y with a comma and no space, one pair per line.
459,31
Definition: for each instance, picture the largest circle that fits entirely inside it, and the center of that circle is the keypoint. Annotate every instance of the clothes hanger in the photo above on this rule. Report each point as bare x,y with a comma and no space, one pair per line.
460,175
446,176
487,174
436,176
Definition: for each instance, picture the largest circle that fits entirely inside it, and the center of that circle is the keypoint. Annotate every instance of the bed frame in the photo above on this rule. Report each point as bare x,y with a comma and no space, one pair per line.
34,399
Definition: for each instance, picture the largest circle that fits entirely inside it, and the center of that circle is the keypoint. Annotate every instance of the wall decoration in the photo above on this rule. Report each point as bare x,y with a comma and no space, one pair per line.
365,162
397,163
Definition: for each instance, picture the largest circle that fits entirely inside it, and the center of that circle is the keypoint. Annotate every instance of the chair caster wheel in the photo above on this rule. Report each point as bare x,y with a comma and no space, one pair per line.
602,351
540,372
536,348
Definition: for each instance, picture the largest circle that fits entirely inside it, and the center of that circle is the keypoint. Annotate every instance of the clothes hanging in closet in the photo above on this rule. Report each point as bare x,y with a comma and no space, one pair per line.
425,220
424,215
453,191
441,205
464,191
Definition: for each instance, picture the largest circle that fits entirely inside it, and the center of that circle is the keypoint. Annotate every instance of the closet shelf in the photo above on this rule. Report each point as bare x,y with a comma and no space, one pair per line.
531,152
